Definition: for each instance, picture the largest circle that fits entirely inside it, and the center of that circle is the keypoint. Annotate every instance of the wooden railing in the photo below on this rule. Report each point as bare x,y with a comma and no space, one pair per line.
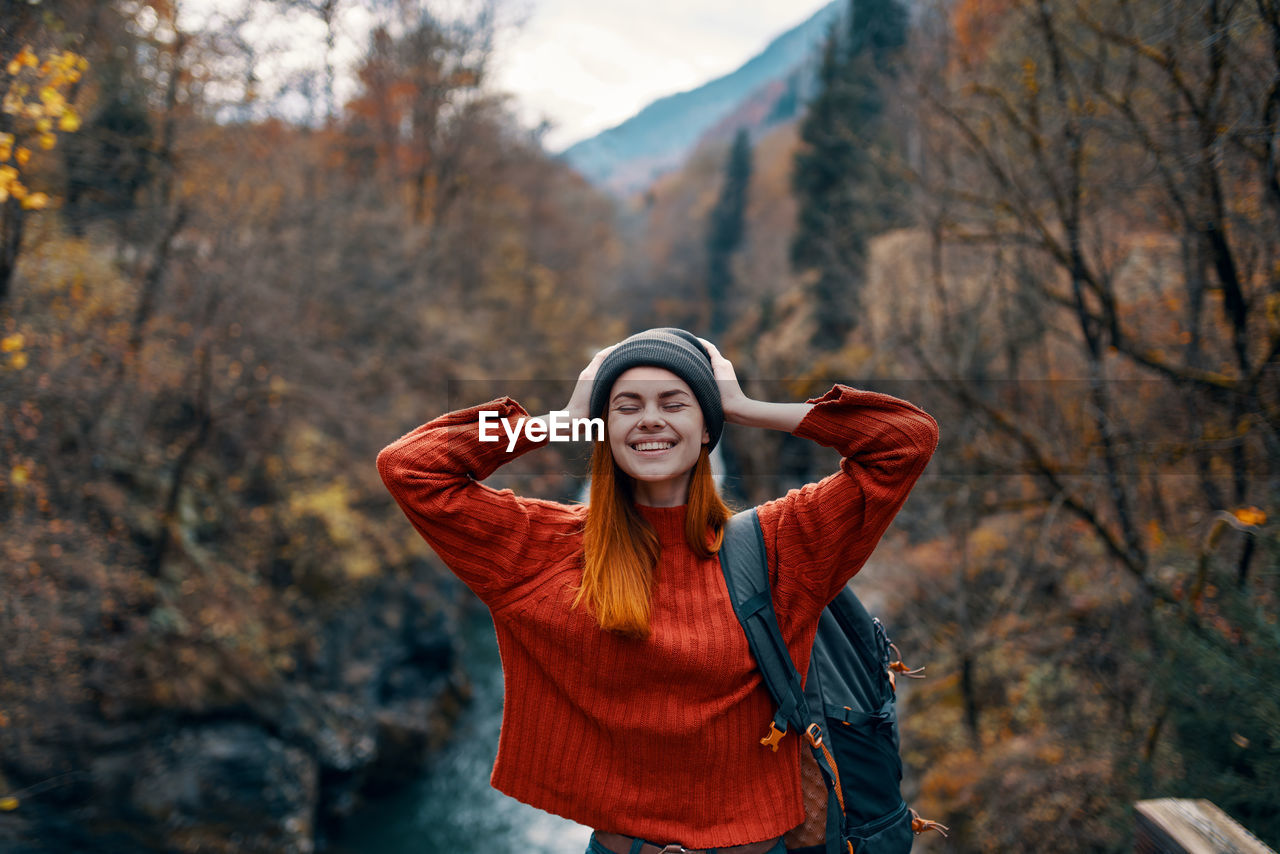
1171,826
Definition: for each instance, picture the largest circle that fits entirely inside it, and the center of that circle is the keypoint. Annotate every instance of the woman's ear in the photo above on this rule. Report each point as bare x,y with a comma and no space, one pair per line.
706,436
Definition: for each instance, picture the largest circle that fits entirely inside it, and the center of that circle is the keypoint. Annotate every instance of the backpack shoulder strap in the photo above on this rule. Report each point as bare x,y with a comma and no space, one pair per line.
746,574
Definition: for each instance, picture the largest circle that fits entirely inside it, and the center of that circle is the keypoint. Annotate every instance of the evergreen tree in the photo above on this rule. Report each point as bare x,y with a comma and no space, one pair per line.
1220,704
108,162
725,230
845,195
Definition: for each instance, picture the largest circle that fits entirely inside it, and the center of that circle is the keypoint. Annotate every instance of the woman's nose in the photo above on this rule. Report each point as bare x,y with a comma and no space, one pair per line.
652,417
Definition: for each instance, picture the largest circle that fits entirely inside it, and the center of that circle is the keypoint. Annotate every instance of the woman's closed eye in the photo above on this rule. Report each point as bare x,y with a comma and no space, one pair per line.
668,407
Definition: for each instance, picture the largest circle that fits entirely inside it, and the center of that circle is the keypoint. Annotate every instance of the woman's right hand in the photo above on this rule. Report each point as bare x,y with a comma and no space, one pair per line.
580,403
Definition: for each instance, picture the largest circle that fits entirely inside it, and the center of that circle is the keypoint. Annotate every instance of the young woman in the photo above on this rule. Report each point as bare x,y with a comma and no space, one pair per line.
632,704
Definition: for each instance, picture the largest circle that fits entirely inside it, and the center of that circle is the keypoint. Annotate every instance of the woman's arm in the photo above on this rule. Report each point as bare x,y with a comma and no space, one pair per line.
492,539
740,409
824,532
818,536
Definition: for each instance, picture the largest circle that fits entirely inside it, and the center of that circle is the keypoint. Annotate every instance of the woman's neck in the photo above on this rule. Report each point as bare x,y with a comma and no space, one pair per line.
663,493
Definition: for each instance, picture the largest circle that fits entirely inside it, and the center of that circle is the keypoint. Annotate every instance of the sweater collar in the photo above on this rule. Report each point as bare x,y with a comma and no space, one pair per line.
668,522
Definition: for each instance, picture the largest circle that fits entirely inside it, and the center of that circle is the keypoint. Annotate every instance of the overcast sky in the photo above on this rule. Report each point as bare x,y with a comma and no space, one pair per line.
583,65
586,65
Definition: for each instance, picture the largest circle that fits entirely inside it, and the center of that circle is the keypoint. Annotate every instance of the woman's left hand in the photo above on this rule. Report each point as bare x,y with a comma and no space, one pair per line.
732,399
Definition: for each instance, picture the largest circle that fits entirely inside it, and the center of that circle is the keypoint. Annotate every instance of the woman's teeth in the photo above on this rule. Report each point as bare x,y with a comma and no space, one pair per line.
653,446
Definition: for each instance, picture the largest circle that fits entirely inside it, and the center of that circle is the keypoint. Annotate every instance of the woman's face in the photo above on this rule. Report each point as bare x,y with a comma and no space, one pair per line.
656,432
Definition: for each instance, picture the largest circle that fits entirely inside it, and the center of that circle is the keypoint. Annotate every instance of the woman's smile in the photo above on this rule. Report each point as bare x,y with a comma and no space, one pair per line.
653,447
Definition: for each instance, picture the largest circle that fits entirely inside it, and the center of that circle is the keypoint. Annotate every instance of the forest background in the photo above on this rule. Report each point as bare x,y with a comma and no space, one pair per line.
1055,225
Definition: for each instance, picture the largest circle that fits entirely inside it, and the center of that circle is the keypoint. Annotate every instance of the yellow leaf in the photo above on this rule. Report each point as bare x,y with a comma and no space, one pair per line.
1251,516
69,122
18,190
44,125
19,475
36,202
7,139
47,141
8,804
5,151
24,154
12,343
18,361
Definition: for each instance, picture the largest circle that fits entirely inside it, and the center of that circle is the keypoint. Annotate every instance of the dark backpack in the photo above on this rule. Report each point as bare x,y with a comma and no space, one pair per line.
845,712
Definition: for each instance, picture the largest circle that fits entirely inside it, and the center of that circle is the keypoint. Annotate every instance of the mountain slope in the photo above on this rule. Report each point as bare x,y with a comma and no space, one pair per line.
627,157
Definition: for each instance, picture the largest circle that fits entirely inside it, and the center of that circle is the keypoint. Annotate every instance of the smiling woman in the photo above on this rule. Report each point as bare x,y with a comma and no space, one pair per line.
627,676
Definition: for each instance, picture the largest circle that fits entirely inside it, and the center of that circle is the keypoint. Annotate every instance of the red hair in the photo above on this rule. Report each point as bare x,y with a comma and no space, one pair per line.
621,548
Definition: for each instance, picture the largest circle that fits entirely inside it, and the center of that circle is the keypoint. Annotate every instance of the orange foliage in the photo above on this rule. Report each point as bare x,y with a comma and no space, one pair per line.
36,103
977,24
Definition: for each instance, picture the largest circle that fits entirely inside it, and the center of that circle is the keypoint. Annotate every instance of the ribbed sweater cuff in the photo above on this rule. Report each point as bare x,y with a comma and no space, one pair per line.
829,420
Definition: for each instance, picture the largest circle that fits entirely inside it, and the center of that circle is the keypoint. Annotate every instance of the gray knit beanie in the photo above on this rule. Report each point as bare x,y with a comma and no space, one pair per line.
674,349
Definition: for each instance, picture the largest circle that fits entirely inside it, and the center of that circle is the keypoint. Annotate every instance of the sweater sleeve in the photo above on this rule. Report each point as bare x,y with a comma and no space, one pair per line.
820,535
491,539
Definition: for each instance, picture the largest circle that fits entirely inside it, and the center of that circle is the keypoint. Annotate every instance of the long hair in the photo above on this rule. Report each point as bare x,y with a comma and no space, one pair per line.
621,548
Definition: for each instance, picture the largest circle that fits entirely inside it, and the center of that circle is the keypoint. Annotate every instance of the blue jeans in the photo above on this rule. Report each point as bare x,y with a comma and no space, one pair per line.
594,847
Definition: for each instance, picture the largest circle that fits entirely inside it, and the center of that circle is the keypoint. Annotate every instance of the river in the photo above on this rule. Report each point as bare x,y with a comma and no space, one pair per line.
453,809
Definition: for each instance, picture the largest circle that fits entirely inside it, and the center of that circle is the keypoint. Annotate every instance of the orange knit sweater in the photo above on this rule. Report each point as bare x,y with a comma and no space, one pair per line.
657,738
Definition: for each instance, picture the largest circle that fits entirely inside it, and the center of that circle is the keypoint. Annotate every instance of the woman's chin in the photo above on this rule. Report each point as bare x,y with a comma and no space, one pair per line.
658,471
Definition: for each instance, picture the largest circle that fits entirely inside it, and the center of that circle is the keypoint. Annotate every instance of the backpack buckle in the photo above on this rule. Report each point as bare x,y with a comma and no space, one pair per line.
773,737
814,732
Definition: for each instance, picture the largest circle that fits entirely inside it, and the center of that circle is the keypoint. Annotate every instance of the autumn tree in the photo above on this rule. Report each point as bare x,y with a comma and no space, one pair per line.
191,398
1099,244
1058,148
417,89
39,72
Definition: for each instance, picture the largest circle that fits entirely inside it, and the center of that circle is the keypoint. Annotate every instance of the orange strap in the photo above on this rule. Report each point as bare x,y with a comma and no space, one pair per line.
814,734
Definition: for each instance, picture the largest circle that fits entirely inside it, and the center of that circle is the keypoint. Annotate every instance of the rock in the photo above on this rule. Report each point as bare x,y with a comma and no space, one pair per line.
220,788
364,711
409,732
